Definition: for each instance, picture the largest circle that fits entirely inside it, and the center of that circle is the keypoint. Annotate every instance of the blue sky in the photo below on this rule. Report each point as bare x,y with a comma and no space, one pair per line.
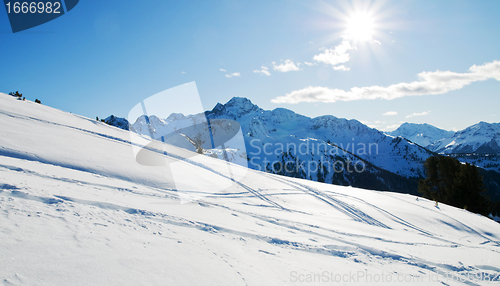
409,60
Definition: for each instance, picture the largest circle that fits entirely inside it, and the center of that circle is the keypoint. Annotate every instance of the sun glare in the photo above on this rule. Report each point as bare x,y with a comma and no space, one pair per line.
360,26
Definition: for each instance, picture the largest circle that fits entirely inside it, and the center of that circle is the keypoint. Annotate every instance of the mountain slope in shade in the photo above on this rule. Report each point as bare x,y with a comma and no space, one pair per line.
349,136
482,138
421,134
77,209
121,123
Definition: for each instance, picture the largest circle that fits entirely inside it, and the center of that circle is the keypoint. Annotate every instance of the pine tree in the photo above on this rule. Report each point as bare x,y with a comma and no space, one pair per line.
16,94
453,183
470,191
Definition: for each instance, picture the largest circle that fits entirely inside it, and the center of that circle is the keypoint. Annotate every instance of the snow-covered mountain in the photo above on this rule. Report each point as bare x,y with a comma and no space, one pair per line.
325,148
481,138
121,123
422,134
77,208
477,144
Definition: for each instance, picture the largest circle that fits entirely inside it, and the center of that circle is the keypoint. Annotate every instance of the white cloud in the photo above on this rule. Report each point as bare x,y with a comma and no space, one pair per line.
429,83
335,56
263,70
311,42
183,72
389,113
286,67
418,114
222,70
233,74
341,68
376,42
391,127
309,64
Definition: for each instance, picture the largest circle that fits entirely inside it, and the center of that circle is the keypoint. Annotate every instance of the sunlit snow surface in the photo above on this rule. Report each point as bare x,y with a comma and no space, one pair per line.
77,209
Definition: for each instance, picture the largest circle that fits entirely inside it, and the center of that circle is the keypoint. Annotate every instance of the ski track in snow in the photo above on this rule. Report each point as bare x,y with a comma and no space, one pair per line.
329,250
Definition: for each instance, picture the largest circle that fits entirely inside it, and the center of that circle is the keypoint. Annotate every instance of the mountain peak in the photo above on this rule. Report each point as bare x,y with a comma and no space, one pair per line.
239,101
176,116
119,122
421,133
482,127
235,107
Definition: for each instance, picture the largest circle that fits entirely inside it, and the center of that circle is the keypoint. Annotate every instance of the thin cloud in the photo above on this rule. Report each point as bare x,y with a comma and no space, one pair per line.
391,127
222,70
418,114
335,56
183,72
233,74
287,66
309,64
341,68
390,113
429,83
263,70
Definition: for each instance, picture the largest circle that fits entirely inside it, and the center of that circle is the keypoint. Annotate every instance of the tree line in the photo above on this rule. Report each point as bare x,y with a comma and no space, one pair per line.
454,183
21,97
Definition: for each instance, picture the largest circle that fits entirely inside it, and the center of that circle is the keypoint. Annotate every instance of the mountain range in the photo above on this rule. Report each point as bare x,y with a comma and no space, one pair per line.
421,134
480,138
478,144
326,148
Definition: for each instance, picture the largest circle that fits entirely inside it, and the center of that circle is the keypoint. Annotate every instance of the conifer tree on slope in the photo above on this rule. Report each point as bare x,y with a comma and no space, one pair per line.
450,182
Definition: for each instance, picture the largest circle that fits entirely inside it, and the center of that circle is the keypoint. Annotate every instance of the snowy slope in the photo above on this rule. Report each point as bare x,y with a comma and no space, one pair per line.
77,209
482,138
422,134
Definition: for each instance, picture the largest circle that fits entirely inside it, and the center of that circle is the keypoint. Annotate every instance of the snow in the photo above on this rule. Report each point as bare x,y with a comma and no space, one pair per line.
477,144
422,134
352,139
482,138
118,122
76,208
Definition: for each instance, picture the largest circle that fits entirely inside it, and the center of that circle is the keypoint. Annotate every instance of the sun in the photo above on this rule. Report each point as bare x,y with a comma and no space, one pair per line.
360,26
